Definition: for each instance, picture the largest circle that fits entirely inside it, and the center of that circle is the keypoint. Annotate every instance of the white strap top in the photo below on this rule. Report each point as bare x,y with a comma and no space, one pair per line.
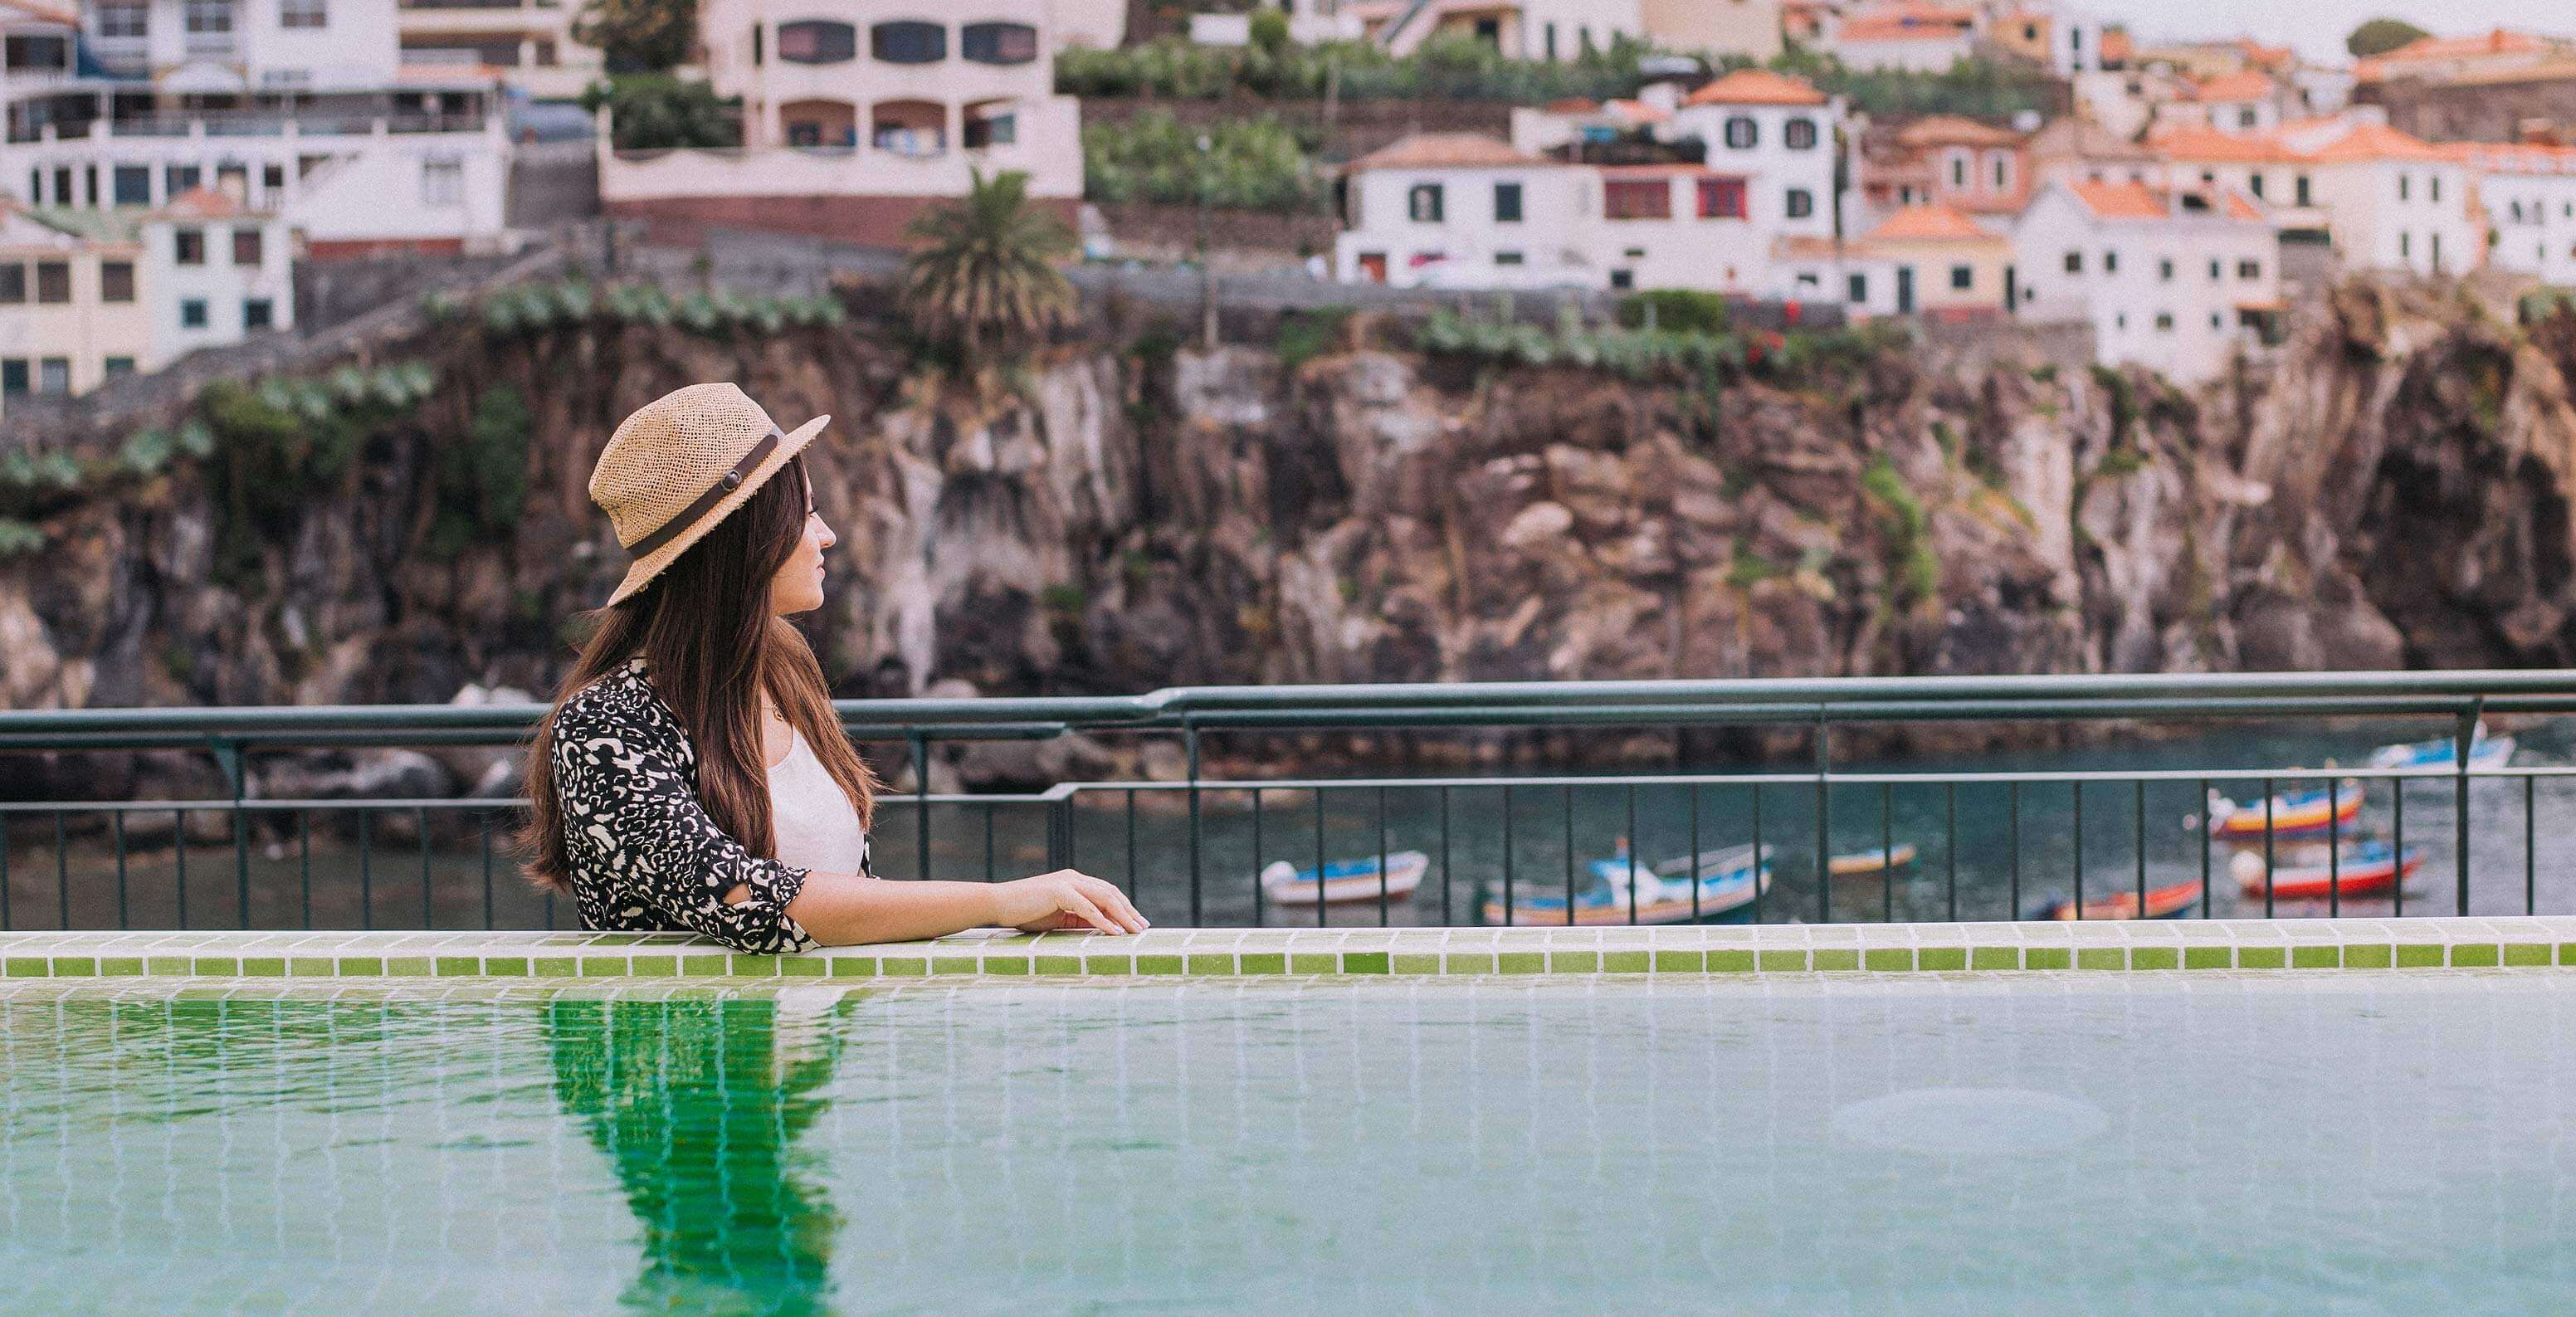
816,826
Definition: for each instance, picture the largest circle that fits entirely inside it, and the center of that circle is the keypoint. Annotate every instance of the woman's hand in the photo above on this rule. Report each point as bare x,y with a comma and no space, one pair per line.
1066,899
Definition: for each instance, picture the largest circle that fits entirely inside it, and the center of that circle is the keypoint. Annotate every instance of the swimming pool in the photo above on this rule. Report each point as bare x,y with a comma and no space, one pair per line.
2224,1140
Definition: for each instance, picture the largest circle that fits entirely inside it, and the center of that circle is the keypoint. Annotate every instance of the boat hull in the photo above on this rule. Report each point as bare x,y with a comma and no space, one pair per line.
1862,863
2169,902
1346,882
2370,874
2291,816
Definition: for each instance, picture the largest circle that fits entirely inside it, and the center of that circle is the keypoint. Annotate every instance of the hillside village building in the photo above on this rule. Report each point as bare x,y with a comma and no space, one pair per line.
2172,279
2528,194
1930,260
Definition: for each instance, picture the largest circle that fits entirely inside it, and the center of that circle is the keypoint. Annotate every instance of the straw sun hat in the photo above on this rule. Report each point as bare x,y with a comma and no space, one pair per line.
682,463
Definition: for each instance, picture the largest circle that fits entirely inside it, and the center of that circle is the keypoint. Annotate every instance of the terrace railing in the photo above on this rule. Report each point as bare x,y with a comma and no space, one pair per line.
1562,847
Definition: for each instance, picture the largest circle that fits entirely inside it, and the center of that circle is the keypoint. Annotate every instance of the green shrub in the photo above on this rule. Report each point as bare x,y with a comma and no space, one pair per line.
1250,164
1306,335
483,481
18,538
1681,310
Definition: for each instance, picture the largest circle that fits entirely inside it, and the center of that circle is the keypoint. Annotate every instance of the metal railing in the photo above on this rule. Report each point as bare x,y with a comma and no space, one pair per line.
2102,843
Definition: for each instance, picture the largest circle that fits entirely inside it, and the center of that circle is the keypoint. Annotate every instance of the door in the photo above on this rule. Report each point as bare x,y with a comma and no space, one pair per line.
2012,290
1905,290
1373,267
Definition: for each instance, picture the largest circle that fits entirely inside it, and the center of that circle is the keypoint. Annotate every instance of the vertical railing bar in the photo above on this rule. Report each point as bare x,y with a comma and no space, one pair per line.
428,914
1258,918
920,805
1950,846
2267,848
366,870
2397,800
483,825
990,872
1758,864
304,863
2012,847
1569,854
2463,736
179,857
2079,850
7,924
1382,897
2530,847
63,873
550,907
116,820
1197,918
1509,866
1319,857
1887,852
1446,918
1693,789
241,864
1632,857
1128,867
2138,839
2334,846
1824,816
2207,826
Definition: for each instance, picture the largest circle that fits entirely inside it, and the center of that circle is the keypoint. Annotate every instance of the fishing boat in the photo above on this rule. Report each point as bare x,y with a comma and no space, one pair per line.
2311,809
2161,903
2365,868
1344,880
1725,879
2443,752
1860,863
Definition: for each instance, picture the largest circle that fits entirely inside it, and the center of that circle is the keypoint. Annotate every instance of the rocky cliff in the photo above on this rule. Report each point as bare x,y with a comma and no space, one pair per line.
2391,490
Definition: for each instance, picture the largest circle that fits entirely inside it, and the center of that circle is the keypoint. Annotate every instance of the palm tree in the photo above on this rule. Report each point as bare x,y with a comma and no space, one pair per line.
985,277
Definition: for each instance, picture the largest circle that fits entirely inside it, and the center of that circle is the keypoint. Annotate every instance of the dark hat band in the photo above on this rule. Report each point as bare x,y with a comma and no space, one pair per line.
706,502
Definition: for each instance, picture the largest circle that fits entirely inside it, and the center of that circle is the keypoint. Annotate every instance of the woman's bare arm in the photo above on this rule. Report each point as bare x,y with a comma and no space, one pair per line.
840,909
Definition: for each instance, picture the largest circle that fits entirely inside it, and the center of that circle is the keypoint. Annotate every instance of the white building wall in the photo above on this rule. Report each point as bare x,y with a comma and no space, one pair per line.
2533,217
355,49
224,287
2163,294
1560,208
2409,215
1774,170
1912,54
1685,250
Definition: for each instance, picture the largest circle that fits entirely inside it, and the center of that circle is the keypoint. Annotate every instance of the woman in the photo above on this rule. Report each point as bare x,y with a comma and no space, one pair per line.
692,775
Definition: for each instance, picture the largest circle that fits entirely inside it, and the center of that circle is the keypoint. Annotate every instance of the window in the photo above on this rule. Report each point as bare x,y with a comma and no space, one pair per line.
53,282
1721,198
2517,212
209,19
1858,289
54,375
2215,322
2299,187
2164,321
442,182
2000,171
1963,277
189,246
1507,203
2433,188
817,41
1507,258
192,313
2164,269
1959,171
257,313
908,41
272,178
13,284
998,43
303,13
1800,134
179,180
2254,184
2110,261
1623,278
1802,203
116,281
131,185
246,247
13,376
124,21
1636,199
2245,117
2435,239
992,130
119,366
2403,186
2217,269
2405,246
2249,269
1742,133
2075,262
1423,203
2120,322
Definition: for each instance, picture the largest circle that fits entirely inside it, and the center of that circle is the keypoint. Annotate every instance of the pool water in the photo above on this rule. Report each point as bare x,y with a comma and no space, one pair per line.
1966,1144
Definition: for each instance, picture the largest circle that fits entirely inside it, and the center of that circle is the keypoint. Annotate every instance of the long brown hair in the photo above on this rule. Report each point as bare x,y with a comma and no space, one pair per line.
710,646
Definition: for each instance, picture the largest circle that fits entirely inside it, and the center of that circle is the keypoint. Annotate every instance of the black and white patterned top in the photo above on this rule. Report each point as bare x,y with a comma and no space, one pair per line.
644,855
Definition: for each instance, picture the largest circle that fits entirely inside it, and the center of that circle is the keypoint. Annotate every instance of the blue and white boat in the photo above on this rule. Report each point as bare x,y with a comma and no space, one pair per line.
1345,880
2444,752
1725,881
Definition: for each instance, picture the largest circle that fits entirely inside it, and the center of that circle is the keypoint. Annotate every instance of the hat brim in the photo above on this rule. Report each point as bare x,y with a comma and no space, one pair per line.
652,564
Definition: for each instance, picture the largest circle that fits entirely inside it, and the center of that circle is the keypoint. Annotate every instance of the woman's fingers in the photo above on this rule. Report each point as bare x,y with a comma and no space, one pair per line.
1116,905
1080,907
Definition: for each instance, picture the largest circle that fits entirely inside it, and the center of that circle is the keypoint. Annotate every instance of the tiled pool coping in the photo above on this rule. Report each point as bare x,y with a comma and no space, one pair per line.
2242,944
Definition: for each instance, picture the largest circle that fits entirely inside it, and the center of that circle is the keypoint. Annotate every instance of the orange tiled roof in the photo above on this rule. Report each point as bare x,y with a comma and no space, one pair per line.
2209,144
1757,87
2262,56
1929,223
1446,151
2119,200
2500,41
2374,141
203,203
2117,45
1638,111
2243,85
1948,129
1898,28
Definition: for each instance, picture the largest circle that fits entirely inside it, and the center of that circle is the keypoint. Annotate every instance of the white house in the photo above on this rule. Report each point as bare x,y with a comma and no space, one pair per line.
214,272
297,106
2172,279
526,43
2246,101
2528,192
2392,201
71,309
1681,226
1933,260
1917,38
856,114
1781,137
1463,210
1522,29
1714,27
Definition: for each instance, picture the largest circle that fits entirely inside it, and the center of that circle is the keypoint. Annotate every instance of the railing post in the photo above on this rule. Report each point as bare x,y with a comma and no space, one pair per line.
1058,823
1824,815
2462,737
1190,737
920,805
